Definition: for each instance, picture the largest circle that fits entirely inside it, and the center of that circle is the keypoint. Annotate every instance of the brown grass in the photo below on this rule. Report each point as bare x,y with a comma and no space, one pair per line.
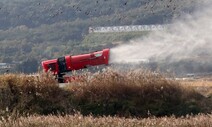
90,121
136,93
31,94
200,85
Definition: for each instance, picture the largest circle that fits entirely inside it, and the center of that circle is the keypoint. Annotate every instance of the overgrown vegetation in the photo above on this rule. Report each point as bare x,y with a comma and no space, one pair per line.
130,94
90,121
136,93
28,95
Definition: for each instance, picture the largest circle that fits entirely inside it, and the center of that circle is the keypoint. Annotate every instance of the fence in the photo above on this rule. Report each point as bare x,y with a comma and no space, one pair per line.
111,29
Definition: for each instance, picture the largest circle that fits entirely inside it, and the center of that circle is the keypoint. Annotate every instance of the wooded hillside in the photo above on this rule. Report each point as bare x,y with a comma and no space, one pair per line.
32,30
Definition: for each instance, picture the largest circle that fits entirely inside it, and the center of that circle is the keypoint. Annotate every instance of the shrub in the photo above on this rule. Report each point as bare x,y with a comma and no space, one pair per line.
134,93
32,94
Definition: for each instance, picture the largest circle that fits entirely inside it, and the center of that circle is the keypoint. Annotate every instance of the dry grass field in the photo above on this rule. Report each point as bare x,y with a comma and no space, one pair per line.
90,121
109,98
203,86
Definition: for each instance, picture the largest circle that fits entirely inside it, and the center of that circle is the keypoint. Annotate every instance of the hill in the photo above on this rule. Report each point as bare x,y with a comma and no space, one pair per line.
61,27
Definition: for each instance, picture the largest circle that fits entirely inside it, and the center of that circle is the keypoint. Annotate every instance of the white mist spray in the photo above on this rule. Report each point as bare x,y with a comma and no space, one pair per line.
189,37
